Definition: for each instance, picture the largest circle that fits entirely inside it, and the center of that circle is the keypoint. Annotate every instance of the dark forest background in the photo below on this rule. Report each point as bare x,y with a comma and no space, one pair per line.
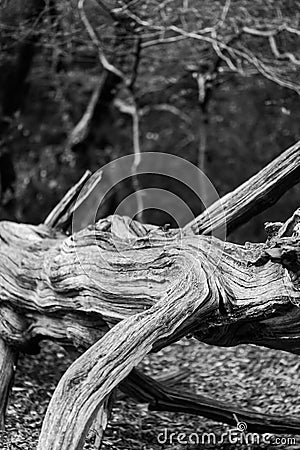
83,83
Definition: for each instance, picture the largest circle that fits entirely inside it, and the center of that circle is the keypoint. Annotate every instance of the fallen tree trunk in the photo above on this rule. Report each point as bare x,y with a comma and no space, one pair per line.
127,290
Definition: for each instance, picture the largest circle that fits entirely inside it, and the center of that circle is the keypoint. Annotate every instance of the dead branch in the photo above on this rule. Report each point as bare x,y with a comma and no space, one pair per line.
60,217
285,55
94,38
123,298
131,109
252,197
81,129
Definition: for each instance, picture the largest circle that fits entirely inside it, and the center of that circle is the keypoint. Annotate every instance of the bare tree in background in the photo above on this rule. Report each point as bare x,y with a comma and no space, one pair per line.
204,42
23,21
120,60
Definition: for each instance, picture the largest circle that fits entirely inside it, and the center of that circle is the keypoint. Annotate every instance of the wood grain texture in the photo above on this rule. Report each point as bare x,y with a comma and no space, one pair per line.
119,289
252,197
132,296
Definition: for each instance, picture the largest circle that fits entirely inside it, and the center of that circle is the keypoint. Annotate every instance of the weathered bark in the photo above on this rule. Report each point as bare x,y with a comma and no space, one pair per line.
131,289
100,423
8,357
253,196
73,289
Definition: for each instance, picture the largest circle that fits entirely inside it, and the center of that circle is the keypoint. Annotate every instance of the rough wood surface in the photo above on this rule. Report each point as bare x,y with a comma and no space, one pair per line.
101,420
74,289
122,289
252,197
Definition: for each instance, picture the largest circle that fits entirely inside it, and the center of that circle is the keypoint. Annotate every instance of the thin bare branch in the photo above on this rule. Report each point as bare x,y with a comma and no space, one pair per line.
94,38
291,30
266,71
132,110
162,41
224,12
225,58
81,129
285,55
262,33
137,58
166,108
125,7
235,55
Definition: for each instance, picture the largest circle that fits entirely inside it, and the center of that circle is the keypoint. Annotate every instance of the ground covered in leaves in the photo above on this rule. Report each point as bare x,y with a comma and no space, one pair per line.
266,380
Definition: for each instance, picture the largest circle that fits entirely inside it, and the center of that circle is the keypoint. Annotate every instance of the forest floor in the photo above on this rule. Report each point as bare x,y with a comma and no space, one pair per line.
266,380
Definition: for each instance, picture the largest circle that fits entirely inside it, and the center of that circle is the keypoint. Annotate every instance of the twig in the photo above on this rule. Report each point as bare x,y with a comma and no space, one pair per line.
81,129
166,108
261,33
125,7
224,13
128,109
291,30
162,41
265,71
132,110
285,55
219,47
105,63
227,60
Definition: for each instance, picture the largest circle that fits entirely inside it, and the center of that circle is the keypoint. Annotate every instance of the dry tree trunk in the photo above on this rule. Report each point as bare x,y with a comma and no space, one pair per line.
119,298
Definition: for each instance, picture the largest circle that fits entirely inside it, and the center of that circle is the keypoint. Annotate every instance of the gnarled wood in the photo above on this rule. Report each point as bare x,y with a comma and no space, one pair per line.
238,292
75,288
125,289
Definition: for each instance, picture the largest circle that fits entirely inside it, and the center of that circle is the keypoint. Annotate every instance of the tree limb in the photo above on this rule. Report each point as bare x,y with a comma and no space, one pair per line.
252,197
147,390
81,129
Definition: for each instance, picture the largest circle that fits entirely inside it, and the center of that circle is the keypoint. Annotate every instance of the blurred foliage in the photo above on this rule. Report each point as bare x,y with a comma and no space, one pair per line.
250,92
